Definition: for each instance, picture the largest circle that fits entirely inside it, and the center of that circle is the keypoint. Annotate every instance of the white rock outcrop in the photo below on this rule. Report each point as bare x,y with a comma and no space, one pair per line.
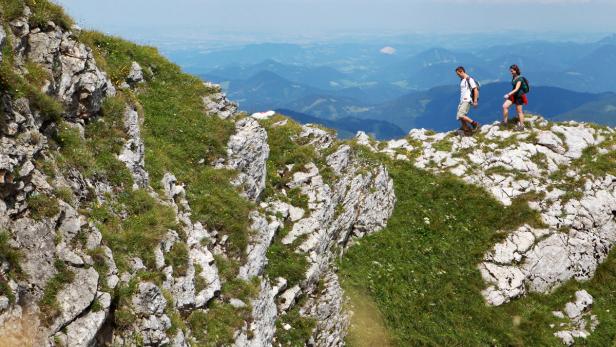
247,152
581,320
133,153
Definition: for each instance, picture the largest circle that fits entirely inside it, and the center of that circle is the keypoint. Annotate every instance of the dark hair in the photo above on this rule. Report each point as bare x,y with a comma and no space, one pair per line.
515,68
460,68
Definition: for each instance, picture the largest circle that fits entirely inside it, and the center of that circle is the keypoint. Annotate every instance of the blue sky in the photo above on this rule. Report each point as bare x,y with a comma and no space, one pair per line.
328,17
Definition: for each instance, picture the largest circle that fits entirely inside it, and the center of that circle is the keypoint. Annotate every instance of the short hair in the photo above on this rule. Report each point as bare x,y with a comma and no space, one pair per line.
515,68
460,68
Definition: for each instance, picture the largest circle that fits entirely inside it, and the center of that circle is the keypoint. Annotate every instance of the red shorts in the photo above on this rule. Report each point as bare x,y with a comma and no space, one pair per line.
519,99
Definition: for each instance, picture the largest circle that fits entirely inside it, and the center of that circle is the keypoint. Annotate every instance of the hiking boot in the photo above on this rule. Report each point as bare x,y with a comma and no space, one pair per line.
519,127
476,126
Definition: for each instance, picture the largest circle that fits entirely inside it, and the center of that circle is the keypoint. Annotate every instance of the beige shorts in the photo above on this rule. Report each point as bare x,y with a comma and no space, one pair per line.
463,109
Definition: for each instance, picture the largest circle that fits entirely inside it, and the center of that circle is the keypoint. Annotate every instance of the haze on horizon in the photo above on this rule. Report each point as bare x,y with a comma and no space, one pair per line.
290,19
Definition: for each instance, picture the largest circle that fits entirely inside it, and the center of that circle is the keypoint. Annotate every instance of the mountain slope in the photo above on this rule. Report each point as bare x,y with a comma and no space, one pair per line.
140,208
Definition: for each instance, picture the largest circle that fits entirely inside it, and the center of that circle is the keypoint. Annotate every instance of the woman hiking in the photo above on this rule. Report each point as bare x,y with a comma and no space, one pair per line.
517,96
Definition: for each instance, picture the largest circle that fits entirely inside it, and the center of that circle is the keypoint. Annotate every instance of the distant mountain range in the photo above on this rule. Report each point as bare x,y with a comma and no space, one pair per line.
434,108
348,127
355,85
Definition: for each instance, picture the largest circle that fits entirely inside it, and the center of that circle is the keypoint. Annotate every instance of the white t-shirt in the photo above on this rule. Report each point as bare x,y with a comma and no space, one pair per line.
465,91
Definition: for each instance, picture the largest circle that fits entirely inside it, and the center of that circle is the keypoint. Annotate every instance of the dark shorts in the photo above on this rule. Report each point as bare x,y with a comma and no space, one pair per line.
519,99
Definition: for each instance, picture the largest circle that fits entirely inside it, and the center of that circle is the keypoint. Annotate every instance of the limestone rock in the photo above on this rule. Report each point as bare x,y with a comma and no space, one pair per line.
317,137
260,240
582,321
329,312
247,152
135,75
133,153
77,81
263,326
2,39
287,299
148,300
75,297
217,102
83,331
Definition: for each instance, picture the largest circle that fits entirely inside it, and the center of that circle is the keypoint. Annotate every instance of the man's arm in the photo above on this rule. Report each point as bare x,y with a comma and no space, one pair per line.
475,96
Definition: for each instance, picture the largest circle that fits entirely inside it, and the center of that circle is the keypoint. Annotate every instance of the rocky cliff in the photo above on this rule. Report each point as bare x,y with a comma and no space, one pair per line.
226,234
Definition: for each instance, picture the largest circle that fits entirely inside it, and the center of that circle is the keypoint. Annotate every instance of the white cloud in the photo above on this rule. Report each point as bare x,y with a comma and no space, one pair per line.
388,50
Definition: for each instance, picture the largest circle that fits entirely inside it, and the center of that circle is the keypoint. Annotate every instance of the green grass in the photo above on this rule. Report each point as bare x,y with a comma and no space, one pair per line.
422,273
42,12
285,149
301,331
284,262
136,235
216,326
42,206
178,258
178,135
95,156
11,257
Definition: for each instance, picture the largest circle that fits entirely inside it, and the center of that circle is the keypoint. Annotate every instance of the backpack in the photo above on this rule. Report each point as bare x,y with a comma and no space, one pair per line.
525,85
469,87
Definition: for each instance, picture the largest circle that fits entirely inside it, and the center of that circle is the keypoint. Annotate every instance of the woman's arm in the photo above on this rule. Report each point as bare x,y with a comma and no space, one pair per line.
515,90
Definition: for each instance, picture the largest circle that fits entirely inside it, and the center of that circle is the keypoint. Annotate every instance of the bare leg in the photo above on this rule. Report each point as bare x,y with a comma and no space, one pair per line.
506,106
520,114
465,120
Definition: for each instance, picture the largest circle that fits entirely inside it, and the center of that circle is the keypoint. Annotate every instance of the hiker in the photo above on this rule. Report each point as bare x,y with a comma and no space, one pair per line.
469,94
517,96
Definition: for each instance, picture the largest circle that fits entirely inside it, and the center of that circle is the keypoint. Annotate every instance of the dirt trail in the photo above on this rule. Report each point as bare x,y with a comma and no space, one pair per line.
367,325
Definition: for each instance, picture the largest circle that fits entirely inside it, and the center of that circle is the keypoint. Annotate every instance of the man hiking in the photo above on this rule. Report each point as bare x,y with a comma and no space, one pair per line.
469,94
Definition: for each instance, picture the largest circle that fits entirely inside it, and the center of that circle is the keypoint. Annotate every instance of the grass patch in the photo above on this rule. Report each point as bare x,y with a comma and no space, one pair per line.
95,155
136,235
421,270
177,257
301,328
444,145
42,12
42,206
216,326
283,262
284,150
240,289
